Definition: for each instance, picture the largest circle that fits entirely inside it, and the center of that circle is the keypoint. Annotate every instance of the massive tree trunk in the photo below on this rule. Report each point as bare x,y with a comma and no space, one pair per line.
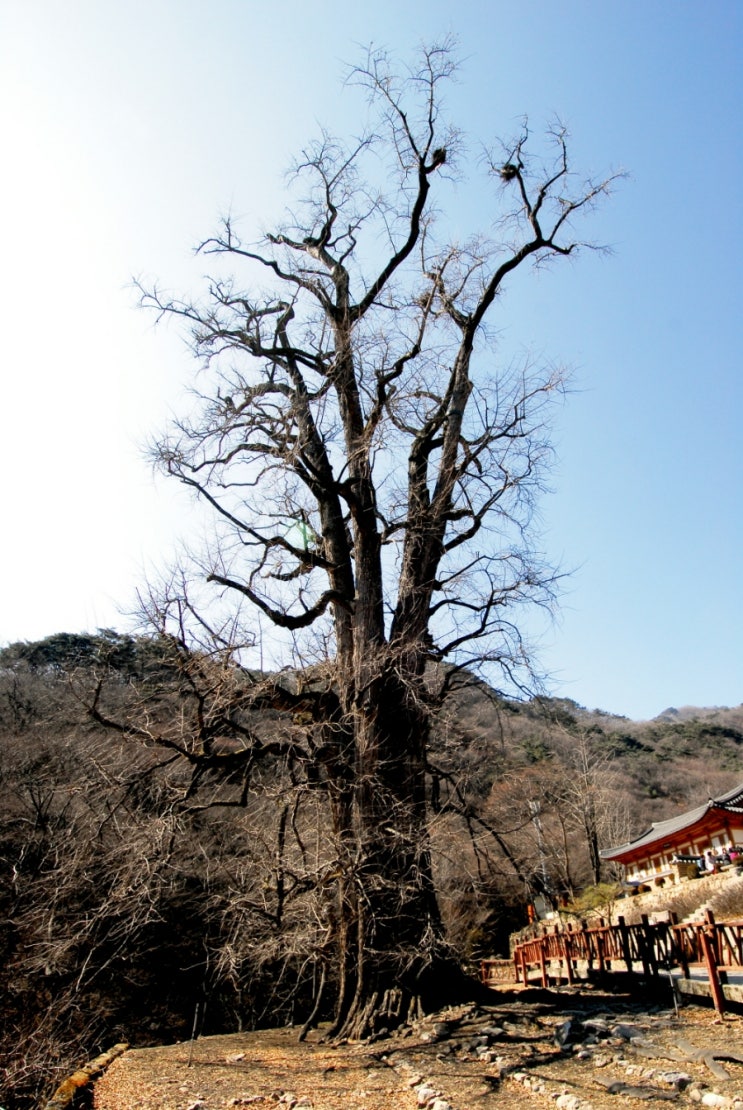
393,954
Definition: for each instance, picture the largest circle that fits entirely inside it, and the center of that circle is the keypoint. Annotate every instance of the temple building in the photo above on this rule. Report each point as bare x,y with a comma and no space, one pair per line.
653,858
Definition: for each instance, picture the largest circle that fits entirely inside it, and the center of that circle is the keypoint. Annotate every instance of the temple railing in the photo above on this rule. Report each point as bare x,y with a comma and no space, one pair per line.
649,948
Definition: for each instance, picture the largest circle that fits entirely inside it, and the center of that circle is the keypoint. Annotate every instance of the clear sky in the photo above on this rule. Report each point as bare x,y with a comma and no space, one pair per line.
128,128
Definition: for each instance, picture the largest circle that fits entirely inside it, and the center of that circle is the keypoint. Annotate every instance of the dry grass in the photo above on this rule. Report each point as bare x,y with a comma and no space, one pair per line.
727,904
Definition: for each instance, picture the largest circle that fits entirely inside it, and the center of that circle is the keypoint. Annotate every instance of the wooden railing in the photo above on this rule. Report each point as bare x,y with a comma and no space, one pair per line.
654,946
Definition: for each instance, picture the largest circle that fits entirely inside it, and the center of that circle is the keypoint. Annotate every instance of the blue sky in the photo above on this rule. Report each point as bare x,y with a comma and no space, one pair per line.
127,130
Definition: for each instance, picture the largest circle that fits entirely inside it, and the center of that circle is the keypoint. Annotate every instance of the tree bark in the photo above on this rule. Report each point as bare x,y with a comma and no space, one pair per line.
393,958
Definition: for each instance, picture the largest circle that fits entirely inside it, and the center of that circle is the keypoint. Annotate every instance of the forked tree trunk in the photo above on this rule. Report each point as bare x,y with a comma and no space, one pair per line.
394,962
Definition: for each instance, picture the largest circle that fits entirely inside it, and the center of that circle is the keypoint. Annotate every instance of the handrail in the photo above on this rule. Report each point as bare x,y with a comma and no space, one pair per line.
658,946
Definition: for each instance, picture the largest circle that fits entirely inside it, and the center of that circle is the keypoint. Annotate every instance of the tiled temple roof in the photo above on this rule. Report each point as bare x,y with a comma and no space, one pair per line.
732,802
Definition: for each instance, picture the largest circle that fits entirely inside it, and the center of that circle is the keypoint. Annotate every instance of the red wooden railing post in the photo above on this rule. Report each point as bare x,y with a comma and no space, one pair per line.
714,935
676,950
567,947
543,960
587,943
668,944
557,950
714,979
624,939
600,944
644,944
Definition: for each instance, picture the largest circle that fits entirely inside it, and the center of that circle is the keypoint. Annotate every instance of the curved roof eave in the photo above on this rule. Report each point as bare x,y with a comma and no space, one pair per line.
732,801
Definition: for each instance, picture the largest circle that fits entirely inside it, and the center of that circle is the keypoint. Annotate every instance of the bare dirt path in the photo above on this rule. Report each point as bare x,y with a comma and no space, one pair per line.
570,1050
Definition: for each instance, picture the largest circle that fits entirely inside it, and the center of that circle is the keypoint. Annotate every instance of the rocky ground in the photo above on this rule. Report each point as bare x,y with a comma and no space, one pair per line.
569,1049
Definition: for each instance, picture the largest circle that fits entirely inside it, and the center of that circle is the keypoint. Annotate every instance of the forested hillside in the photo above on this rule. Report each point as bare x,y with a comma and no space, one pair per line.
164,849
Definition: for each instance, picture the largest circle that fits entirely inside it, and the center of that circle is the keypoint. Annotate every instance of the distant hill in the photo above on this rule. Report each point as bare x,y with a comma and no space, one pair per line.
689,712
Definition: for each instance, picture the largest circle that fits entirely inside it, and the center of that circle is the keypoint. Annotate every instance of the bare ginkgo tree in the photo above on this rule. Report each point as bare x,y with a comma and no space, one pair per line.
372,469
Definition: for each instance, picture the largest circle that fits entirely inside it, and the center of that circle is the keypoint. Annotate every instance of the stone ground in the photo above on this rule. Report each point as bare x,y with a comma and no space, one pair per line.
571,1049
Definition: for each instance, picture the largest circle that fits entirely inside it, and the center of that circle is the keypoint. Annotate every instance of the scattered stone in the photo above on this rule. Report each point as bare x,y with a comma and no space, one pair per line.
618,1088
597,1025
711,1098
563,1032
447,1049
717,1069
678,1079
442,1028
627,1032
568,1102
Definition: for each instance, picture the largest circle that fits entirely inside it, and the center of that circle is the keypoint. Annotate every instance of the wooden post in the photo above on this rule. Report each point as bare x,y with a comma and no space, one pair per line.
558,949
600,945
543,961
679,945
587,943
714,979
650,933
624,938
645,945
713,934
567,947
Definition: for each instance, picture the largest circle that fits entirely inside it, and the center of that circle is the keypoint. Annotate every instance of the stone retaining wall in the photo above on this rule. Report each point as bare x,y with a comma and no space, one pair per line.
63,1097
